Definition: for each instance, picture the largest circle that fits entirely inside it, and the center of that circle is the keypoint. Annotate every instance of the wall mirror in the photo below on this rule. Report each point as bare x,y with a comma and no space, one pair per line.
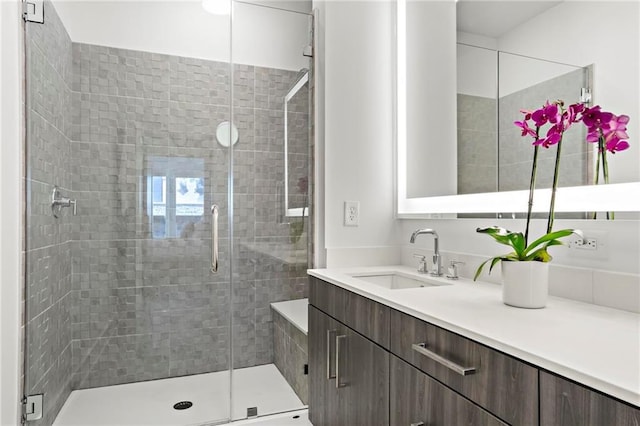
486,168
296,147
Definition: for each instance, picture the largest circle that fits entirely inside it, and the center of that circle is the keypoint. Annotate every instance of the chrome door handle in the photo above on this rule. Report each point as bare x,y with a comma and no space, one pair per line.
330,333
463,371
214,238
338,340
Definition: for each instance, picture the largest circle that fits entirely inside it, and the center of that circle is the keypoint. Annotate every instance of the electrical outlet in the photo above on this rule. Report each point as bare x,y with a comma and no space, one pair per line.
586,243
351,213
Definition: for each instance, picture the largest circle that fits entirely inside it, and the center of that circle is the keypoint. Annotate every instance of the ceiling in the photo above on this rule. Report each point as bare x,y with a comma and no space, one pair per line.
495,18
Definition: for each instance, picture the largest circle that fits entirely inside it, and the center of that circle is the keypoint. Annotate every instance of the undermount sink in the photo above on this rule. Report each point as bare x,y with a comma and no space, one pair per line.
396,280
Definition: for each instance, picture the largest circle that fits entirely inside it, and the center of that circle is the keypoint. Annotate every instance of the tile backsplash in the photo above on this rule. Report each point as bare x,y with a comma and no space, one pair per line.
605,288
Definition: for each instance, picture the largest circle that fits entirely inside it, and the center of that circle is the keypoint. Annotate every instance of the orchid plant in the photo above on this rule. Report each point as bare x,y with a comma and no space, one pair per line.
609,132
604,128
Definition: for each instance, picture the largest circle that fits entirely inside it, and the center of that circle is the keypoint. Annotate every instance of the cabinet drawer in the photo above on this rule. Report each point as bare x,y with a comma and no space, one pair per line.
416,398
501,384
369,318
567,404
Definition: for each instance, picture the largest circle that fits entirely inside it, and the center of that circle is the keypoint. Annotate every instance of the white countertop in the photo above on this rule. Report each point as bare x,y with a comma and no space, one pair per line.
593,345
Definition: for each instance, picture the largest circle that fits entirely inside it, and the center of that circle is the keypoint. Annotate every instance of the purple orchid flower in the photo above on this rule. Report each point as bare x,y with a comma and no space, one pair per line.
547,114
614,144
526,130
594,118
574,111
618,126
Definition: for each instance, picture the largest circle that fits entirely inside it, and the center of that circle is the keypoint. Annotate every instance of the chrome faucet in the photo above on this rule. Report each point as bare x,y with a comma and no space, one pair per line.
437,260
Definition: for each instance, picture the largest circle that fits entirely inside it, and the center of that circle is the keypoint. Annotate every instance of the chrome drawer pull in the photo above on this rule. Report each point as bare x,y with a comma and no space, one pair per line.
417,424
338,340
463,371
330,333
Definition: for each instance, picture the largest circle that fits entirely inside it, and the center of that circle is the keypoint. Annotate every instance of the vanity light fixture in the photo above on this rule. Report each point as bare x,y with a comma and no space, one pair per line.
217,7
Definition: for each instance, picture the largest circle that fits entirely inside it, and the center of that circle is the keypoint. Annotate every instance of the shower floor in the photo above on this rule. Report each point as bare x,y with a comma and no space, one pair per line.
151,403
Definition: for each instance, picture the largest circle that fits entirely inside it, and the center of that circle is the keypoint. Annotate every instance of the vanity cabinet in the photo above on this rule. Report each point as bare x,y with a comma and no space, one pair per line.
370,364
349,375
563,403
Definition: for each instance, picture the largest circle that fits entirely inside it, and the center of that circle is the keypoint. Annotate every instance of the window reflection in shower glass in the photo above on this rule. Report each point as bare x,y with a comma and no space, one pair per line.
176,196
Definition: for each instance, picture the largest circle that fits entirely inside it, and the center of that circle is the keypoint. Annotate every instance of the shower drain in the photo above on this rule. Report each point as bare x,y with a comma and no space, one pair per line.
182,405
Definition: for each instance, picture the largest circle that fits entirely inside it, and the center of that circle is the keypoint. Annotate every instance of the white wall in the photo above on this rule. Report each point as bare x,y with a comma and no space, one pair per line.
262,36
477,71
521,72
431,148
10,213
358,131
607,35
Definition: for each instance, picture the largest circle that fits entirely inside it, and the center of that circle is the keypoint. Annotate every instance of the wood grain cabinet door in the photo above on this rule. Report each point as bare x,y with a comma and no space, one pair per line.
417,399
348,375
323,394
362,374
563,403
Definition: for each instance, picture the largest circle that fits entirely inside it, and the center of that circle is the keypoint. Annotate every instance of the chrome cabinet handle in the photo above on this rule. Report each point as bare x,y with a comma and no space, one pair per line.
463,371
417,424
330,333
214,238
338,340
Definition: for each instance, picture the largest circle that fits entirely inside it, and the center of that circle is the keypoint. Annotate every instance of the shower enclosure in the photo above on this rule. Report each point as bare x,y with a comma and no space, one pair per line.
165,208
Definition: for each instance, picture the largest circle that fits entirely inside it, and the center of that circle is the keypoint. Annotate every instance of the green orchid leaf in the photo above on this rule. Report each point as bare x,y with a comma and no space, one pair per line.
514,257
493,261
518,243
503,236
548,237
479,270
540,255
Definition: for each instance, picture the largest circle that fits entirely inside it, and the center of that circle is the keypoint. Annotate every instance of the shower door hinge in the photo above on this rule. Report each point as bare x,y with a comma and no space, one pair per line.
308,51
32,407
585,95
33,11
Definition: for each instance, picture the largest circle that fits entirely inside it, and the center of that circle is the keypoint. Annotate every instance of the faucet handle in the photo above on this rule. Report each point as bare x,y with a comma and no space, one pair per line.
453,269
422,263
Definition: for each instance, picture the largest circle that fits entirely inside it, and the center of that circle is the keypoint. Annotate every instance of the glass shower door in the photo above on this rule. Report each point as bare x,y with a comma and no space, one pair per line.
271,106
125,321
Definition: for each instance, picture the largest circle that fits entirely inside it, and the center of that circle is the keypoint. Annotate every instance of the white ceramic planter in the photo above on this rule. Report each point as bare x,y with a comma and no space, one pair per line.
525,284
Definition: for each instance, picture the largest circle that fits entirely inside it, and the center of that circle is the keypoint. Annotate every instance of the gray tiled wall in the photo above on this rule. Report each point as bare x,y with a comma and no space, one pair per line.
148,308
516,152
48,244
291,354
477,145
